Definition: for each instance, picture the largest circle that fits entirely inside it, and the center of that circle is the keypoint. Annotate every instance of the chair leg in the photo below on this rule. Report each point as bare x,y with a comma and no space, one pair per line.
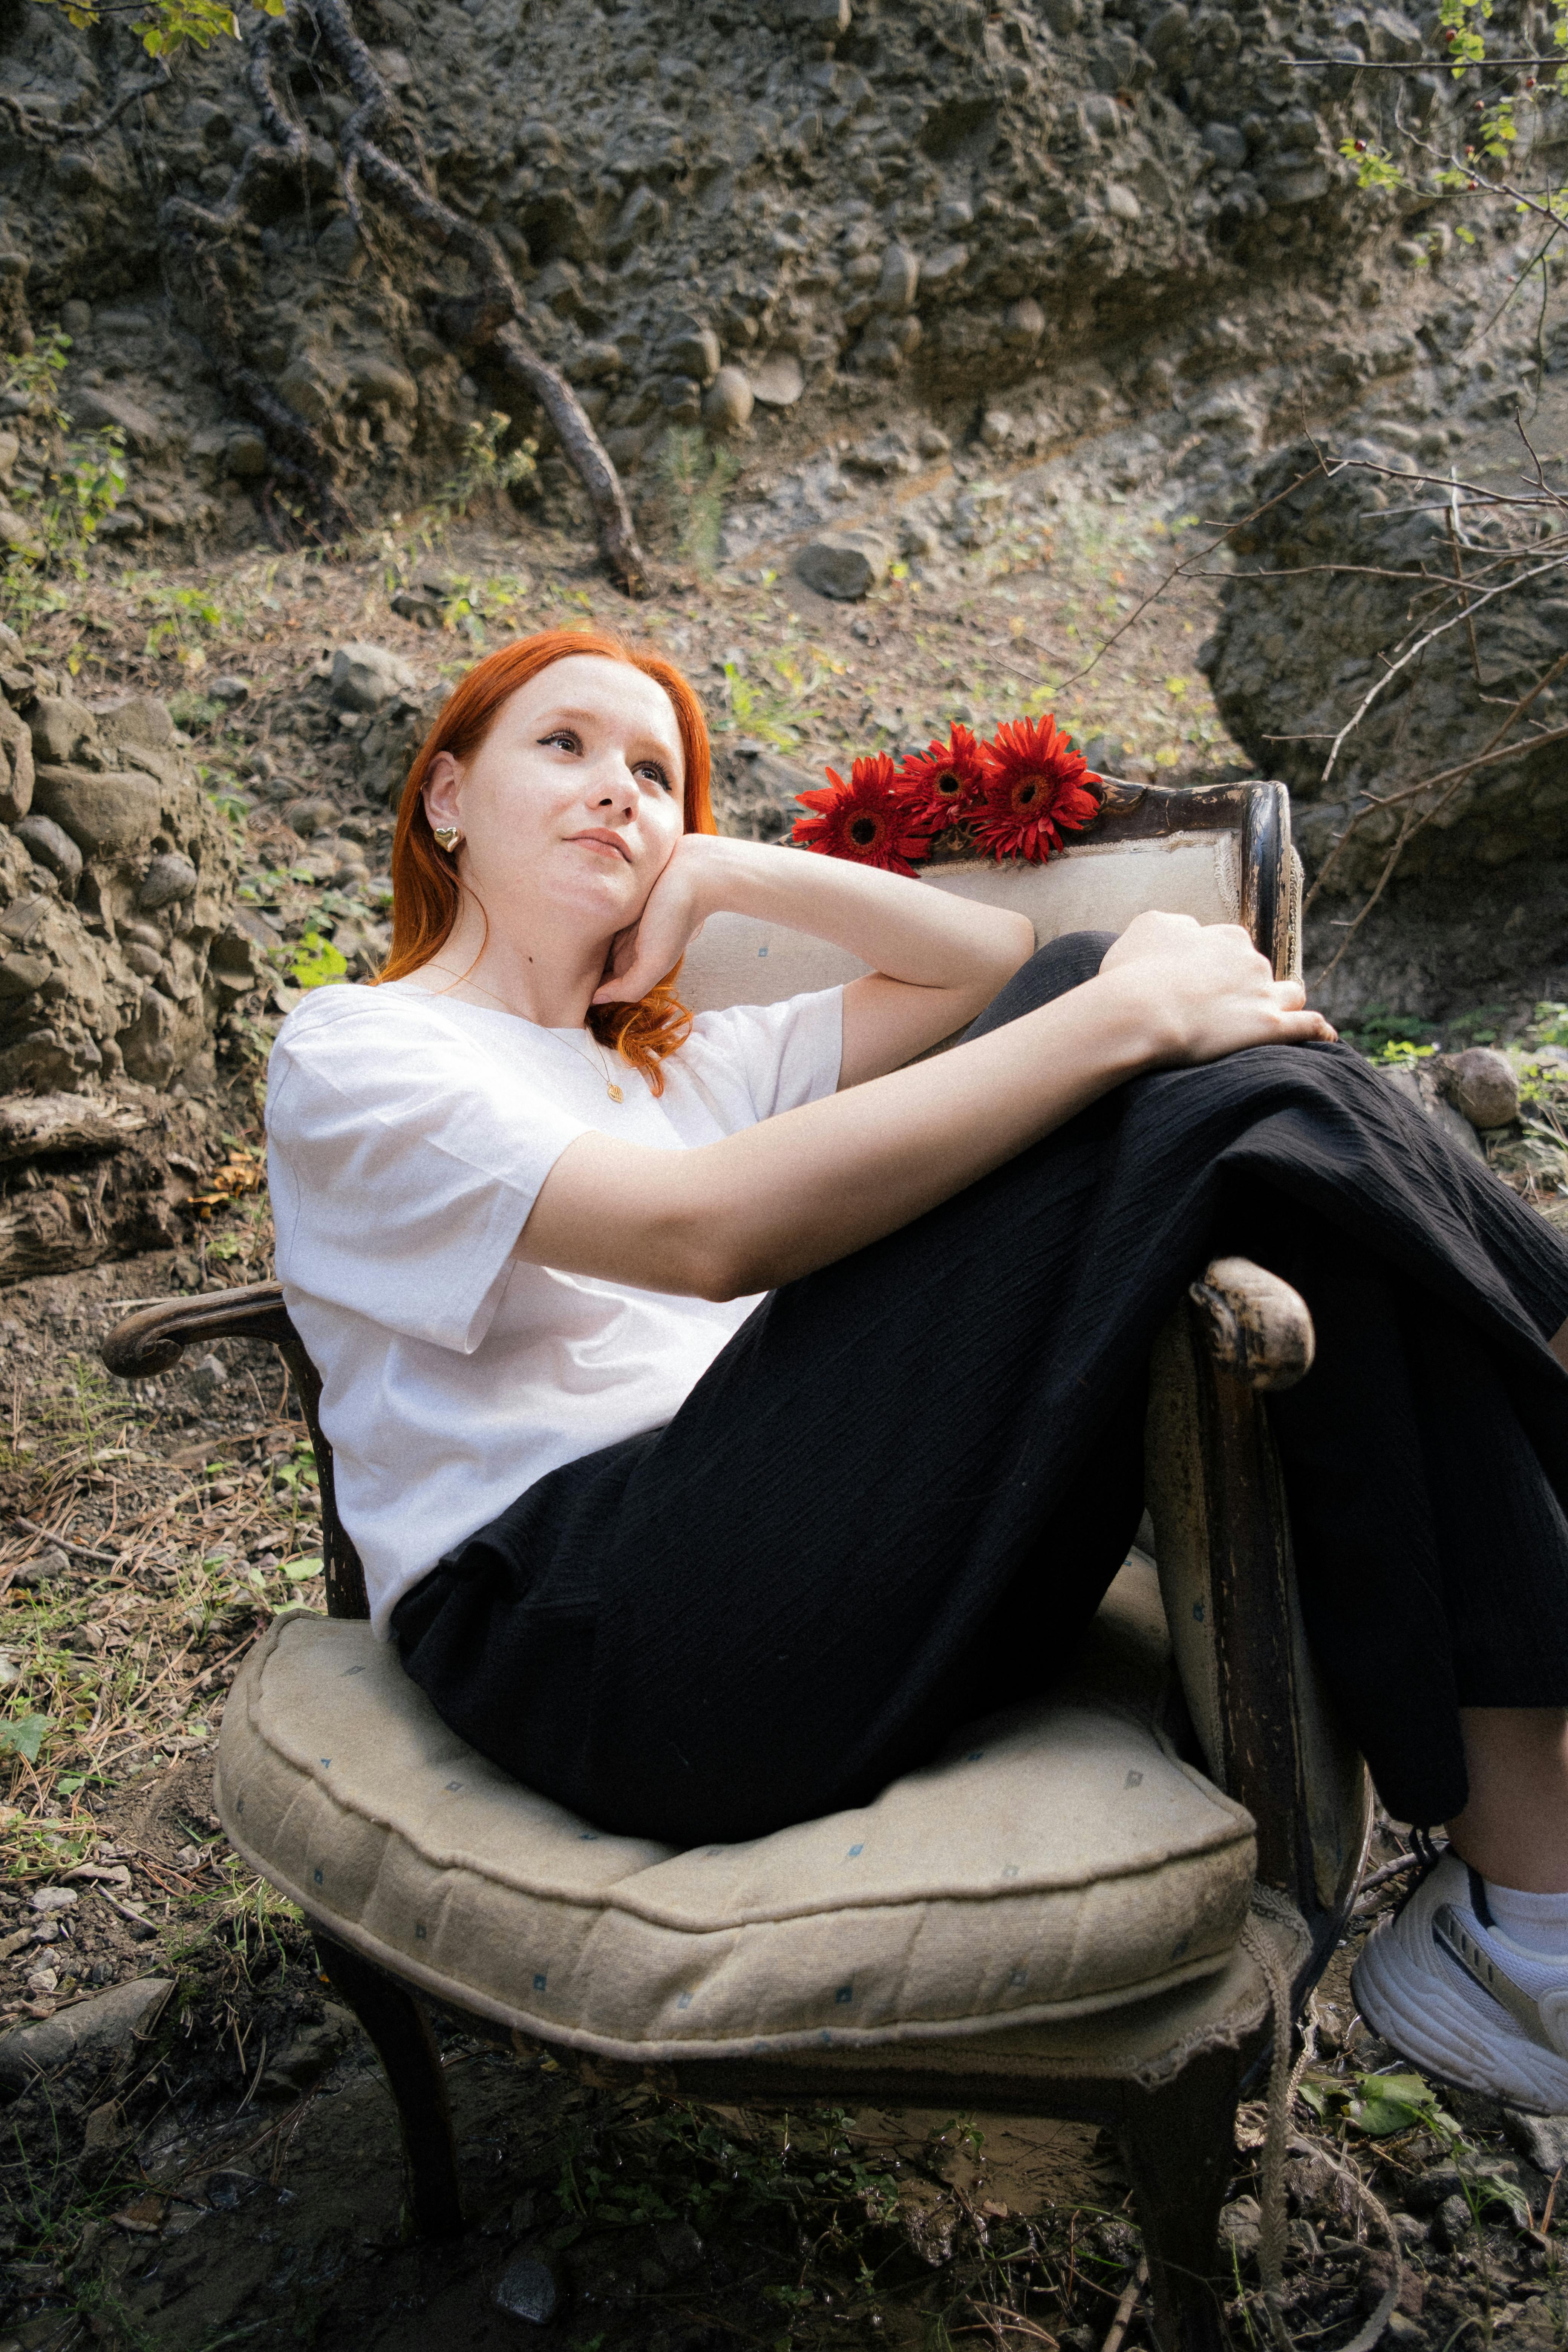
1178,2144
403,2042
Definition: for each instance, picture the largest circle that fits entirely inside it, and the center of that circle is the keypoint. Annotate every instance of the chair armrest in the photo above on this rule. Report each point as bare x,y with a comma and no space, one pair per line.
154,1340
1254,1324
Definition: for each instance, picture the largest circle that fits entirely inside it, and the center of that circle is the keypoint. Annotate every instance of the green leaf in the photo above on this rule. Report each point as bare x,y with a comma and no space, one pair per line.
316,961
301,1571
23,1736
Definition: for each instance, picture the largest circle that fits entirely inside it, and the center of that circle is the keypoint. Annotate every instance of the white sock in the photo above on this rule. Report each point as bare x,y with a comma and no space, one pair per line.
1538,1924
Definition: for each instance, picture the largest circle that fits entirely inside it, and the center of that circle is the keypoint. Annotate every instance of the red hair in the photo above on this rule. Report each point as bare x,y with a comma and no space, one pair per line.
426,892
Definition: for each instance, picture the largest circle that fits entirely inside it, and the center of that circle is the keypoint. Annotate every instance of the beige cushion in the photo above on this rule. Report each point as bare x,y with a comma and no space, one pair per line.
1098,886
1057,1860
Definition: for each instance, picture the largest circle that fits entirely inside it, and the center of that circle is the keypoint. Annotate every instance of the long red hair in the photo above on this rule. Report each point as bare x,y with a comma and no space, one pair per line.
426,892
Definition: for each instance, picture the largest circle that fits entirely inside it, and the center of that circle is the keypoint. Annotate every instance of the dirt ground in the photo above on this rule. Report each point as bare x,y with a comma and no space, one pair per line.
230,2173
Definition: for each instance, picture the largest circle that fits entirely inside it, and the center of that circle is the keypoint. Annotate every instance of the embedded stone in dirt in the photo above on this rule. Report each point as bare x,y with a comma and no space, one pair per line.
528,2289
778,381
727,405
95,2027
1480,1083
845,564
365,677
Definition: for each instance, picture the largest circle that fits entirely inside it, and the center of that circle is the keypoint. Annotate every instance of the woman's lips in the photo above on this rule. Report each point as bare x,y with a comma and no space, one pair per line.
606,841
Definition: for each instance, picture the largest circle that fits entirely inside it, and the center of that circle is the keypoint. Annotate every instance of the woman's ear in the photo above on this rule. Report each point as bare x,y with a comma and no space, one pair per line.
442,786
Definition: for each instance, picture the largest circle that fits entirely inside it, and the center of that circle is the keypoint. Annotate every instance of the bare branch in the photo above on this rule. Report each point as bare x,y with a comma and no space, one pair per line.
493,313
60,134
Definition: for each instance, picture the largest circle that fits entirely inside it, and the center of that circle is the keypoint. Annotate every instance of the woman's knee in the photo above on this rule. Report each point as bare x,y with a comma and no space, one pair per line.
1061,964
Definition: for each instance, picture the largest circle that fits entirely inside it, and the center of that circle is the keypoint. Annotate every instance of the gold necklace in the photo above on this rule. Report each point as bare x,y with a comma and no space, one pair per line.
613,1091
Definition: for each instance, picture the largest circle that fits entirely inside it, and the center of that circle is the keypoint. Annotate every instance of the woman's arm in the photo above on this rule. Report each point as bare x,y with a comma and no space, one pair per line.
937,960
796,1193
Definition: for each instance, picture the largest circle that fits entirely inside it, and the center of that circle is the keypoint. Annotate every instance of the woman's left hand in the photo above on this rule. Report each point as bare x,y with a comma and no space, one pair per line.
673,913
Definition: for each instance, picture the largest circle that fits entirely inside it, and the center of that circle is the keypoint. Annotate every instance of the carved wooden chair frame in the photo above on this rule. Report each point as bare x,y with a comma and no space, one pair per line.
1170,2104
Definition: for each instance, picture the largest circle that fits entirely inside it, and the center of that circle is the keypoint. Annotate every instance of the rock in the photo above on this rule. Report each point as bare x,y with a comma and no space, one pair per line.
97,408
1023,322
1226,144
917,536
38,1126
246,454
727,405
1241,2225
901,276
529,2289
60,727
778,381
47,844
845,564
310,2053
96,2028
314,385
310,816
168,879
136,719
228,689
1420,1091
995,428
1543,2139
933,442
44,1899
366,677
696,354
103,813
1480,1083
16,766
941,270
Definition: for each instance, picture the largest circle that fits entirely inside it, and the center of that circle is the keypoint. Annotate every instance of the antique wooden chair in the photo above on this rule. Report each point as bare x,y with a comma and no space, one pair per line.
1078,1910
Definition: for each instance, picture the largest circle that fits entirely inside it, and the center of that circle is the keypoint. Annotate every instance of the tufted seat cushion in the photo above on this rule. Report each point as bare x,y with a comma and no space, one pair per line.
1058,1859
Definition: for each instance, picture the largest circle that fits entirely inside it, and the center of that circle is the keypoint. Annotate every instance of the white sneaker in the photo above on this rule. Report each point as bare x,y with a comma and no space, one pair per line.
1460,2000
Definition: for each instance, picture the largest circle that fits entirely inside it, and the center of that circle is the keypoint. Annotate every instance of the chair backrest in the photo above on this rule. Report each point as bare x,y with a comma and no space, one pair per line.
1220,853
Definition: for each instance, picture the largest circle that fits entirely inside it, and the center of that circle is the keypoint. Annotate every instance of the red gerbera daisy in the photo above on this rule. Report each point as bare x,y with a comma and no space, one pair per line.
870,818
1036,790
948,783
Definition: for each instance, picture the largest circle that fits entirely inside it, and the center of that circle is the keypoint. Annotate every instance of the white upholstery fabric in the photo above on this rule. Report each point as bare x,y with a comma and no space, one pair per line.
1098,886
1058,1860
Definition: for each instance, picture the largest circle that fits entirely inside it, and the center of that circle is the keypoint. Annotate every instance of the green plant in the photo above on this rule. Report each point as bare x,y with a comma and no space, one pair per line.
1378,1028
695,475
180,617
169,24
65,483
315,962
487,468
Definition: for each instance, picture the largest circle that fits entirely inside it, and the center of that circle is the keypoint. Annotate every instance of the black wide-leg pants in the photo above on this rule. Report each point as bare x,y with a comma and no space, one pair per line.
901,1492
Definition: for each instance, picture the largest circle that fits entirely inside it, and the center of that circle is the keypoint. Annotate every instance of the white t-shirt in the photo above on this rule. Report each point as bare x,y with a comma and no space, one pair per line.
408,1136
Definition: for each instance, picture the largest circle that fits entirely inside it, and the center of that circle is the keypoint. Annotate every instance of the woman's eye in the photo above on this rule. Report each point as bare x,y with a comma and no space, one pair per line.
563,736
656,775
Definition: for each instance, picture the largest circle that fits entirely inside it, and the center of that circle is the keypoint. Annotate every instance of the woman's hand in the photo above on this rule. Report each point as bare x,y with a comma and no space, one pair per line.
1206,991
673,913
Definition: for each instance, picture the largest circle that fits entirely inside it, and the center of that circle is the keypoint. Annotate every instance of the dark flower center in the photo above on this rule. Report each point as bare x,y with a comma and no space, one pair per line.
950,784
1027,791
865,830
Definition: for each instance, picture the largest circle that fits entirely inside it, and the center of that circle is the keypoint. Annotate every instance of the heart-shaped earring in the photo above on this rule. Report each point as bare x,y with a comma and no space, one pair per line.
447,835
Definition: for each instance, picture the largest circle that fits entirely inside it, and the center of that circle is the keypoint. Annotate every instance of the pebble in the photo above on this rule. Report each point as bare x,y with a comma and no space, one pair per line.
728,403
1480,1082
101,2025
170,879
53,1898
845,565
529,2289
368,676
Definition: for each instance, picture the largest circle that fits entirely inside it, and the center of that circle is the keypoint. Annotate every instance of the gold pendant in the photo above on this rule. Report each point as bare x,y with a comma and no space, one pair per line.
613,1092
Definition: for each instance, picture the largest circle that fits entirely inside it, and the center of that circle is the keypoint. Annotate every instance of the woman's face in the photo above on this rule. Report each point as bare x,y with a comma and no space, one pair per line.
576,795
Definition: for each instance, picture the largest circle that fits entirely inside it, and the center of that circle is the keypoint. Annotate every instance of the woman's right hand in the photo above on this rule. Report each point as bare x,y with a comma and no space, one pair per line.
1205,991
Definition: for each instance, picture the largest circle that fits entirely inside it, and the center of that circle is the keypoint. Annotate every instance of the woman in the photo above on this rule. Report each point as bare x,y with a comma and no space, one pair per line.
722,1416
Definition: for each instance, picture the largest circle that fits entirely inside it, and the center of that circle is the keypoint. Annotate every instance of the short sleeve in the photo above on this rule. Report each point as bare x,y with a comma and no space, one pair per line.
759,1059
403,1163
